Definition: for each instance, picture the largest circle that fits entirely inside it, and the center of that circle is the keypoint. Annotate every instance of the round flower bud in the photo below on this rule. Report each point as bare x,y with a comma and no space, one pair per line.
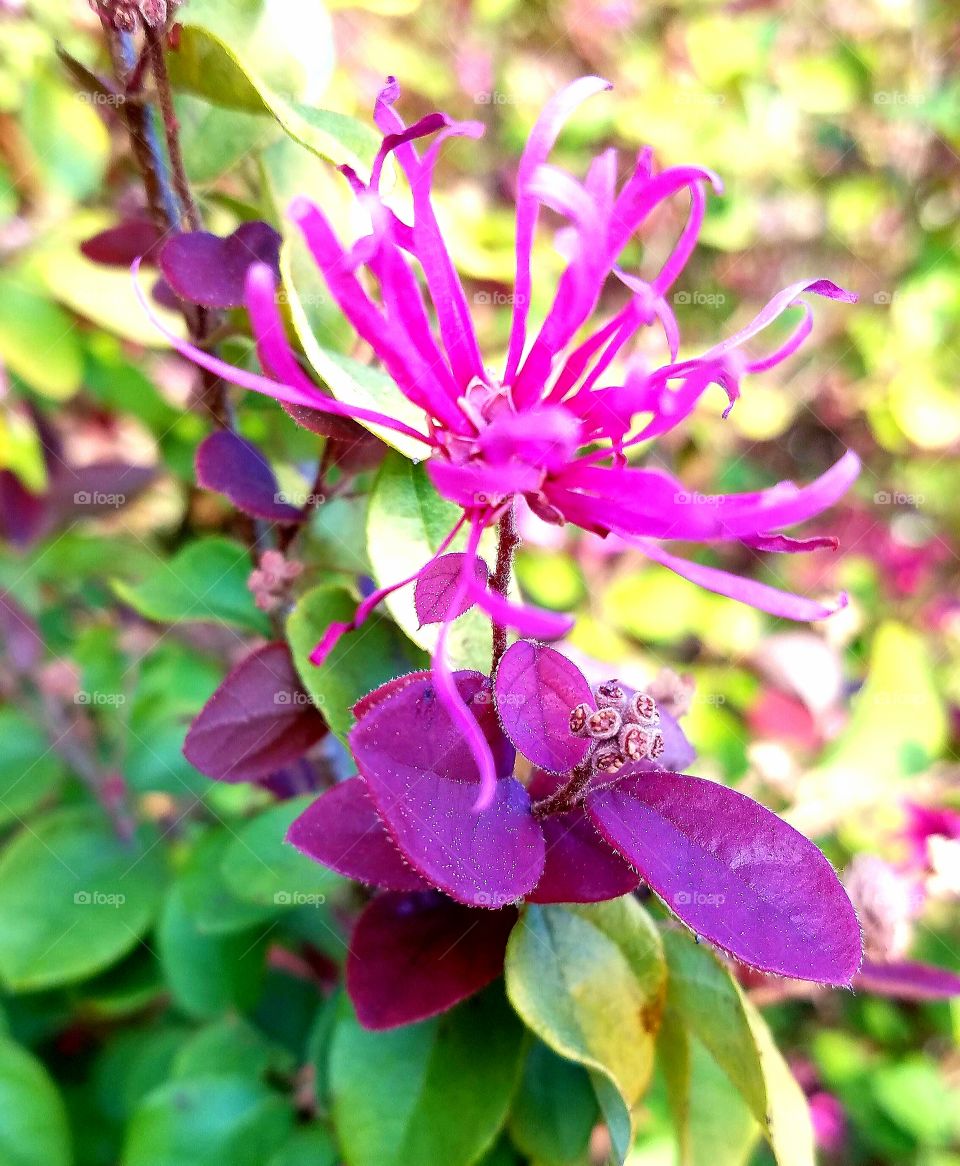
608,759
578,719
604,724
635,742
610,695
643,709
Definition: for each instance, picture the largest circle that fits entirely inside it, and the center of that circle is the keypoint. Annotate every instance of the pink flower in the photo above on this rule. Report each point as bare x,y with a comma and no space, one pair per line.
554,425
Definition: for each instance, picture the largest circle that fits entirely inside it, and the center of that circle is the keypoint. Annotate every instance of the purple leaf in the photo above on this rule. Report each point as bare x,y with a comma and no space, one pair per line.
423,778
24,516
734,873
537,688
437,584
19,635
122,245
350,447
206,269
234,467
580,867
907,981
258,720
341,830
414,956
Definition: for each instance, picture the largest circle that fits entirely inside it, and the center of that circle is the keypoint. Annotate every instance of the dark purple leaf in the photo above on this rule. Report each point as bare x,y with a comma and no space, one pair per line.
122,245
341,830
369,702
580,867
734,873
164,295
423,779
907,981
435,587
24,516
537,688
414,956
258,720
19,636
234,467
206,269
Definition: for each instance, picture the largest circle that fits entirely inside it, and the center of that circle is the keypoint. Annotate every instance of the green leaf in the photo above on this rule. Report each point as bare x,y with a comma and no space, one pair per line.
714,1124
406,522
589,980
39,341
555,1109
311,1146
208,1121
261,867
214,140
132,1065
208,974
206,581
73,898
434,1093
33,1121
361,661
29,769
264,56
68,140
214,908
230,1045
227,50
707,1000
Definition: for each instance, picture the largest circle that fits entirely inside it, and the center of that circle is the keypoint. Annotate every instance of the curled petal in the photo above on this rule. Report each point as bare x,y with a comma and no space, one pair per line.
776,307
784,604
539,144
527,620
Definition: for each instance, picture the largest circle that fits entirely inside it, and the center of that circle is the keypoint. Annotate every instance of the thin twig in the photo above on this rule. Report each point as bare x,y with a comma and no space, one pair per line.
502,575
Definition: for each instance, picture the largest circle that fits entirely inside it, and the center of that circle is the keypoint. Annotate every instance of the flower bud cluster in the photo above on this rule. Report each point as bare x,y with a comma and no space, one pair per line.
621,727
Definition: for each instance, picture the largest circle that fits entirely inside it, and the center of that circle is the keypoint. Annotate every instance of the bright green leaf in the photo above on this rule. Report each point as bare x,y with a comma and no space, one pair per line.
555,1109
208,974
261,867
406,522
206,581
33,1121
74,898
361,661
707,1000
29,769
208,1121
589,981
39,341
434,1093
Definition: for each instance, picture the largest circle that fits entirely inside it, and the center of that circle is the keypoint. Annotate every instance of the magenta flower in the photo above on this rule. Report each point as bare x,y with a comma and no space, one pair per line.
555,424
607,806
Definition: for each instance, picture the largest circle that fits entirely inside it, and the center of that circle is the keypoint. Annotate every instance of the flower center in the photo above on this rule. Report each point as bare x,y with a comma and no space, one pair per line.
621,728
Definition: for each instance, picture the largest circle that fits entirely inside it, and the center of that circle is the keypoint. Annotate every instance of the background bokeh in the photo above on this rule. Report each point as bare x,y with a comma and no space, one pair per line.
836,130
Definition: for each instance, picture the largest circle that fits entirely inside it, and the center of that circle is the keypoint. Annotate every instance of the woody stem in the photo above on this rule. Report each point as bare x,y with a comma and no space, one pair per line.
507,545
